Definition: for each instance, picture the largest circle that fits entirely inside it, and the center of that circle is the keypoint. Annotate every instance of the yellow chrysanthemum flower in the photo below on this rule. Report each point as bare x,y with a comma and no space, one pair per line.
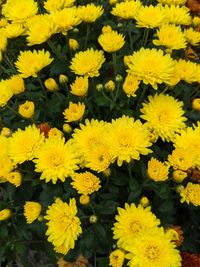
164,116
6,93
73,44
189,140
5,214
32,211
74,112
6,166
177,15
24,144
54,132
172,2
196,104
196,20
192,36
66,19
111,41
146,13
179,176
19,10
153,248
56,160
131,221
127,9
55,5
34,33
170,36
116,258
13,30
94,59
80,86
30,63
182,159
90,12
131,85
51,85
191,194
64,226
85,183
157,170
151,66
128,139
16,84
27,109
14,178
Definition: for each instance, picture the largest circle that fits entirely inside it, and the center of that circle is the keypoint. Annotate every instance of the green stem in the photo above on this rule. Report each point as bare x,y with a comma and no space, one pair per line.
52,46
130,170
14,111
87,35
145,37
117,92
8,61
114,58
130,38
143,94
41,84
166,89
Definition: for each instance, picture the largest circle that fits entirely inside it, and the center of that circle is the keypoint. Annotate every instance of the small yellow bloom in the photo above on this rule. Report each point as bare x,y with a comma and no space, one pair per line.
3,42
131,85
127,9
196,104
144,201
111,41
5,214
55,5
63,79
192,36
157,170
5,94
179,176
80,86
90,13
16,84
93,219
67,128
117,258
196,20
73,44
6,132
54,132
32,211
106,29
74,112
14,178
110,86
51,85
190,194
13,30
84,199
27,109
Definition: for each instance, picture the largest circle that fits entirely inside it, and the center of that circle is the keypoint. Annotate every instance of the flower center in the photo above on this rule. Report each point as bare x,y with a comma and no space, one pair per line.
135,227
152,253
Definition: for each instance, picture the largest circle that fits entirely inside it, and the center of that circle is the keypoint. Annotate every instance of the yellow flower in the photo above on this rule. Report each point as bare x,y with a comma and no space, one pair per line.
130,222
151,66
164,116
131,85
170,36
111,41
5,214
63,79
191,194
55,5
6,166
90,12
16,84
153,248
32,211
54,132
144,201
5,93
66,19
146,13
172,2
34,33
27,109
192,36
196,20
56,160
67,128
51,85
127,9
80,86
106,29
19,10
157,170
110,86
182,159
84,199
94,59
85,183
116,258
24,144
30,63
177,15
3,42
74,112
73,44
14,178
14,30
196,104
128,139
6,132
179,176
64,226
4,145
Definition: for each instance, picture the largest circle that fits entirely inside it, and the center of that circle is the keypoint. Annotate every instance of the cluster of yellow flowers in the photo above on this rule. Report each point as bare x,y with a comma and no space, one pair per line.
89,145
